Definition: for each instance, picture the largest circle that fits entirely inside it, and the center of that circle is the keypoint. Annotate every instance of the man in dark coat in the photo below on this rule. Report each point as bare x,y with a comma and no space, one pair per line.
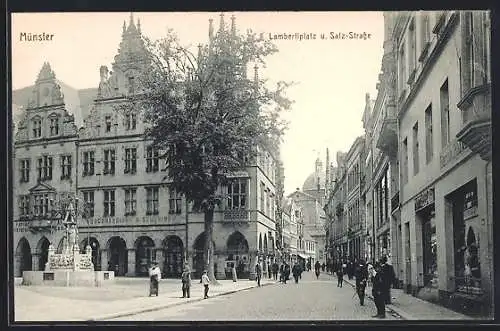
317,269
258,272
377,291
388,275
361,275
275,269
282,273
286,272
296,271
340,275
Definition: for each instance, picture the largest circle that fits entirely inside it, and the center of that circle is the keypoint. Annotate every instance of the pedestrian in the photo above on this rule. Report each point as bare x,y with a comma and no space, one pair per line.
269,273
282,273
340,276
287,271
275,270
377,291
186,282
206,282
388,275
154,278
233,272
317,268
296,270
361,275
323,266
258,272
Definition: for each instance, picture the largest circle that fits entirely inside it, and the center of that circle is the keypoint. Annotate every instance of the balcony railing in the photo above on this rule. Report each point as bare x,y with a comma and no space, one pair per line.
236,215
468,285
451,152
395,202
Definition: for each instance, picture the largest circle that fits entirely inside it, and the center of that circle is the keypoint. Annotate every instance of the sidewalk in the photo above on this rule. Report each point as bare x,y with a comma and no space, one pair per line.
128,296
412,308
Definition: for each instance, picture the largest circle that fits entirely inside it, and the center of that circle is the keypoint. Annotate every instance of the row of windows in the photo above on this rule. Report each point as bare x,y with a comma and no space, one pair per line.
236,199
266,201
45,164
54,126
130,123
429,137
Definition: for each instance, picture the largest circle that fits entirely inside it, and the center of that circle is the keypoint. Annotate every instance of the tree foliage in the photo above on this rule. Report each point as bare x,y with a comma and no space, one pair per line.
202,110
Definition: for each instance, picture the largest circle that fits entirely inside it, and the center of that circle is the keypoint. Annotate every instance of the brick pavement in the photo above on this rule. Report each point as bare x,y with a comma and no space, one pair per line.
412,308
125,297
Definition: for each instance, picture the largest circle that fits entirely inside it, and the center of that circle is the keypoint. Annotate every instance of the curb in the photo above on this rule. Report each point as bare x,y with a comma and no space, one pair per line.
395,311
165,306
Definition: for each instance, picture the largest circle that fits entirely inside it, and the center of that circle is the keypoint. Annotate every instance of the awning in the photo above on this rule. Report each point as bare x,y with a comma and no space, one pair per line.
303,256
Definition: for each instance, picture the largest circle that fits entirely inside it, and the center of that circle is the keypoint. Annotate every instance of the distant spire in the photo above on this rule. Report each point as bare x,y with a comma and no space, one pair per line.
221,26
139,25
210,28
233,25
131,19
124,26
199,53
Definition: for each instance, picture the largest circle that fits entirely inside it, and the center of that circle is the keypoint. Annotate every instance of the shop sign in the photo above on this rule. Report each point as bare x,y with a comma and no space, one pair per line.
424,199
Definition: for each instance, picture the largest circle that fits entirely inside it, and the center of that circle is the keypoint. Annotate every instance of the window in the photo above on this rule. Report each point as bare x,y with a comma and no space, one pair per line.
54,125
131,85
413,48
24,168
130,160
37,127
152,159
152,201
428,135
426,30
130,121
41,204
108,123
404,168
109,203
24,206
445,114
130,201
262,194
65,166
415,149
402,69
45,168
174,202
88,163
237,192
88,198
109,161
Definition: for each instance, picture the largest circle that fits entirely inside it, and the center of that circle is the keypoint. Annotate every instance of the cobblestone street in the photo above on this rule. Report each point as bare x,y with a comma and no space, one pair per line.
310,299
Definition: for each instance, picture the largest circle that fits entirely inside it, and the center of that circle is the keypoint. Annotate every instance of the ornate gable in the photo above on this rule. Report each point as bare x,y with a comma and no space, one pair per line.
42,187
46,101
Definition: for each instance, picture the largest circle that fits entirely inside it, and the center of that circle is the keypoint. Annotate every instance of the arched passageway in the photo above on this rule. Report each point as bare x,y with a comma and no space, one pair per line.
117,258
173,251
23,257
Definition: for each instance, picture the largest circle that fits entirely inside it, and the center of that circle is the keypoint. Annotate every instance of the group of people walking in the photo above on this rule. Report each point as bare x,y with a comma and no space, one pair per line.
380,274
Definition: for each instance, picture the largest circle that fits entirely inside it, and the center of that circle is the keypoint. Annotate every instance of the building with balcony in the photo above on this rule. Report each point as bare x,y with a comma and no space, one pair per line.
133,215
444,118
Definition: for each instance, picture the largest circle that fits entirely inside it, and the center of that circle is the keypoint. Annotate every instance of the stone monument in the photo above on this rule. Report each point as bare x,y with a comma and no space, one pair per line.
70,267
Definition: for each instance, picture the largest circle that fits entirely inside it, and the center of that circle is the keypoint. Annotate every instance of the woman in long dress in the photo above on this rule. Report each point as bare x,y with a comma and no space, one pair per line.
154,279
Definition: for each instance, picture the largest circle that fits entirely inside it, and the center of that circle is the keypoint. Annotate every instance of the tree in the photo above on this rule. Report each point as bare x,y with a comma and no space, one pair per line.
206,115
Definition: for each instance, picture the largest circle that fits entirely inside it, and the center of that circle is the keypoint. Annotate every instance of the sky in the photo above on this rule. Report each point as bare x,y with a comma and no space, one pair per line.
331,76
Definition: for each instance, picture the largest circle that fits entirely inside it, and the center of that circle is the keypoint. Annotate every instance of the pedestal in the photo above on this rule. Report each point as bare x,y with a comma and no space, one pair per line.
35,261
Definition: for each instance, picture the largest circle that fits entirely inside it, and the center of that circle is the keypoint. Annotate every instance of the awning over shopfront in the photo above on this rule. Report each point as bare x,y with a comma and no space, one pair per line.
303,256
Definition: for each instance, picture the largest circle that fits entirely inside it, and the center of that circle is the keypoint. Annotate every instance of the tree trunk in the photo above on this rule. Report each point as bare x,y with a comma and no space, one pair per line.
209,248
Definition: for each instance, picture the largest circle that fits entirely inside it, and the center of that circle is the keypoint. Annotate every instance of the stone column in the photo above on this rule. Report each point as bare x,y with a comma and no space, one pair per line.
18,272
104,259
221,266
35,258
253,257
131,262
160,258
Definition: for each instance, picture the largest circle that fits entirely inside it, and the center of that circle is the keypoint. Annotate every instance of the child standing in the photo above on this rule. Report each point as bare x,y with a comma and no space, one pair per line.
205,281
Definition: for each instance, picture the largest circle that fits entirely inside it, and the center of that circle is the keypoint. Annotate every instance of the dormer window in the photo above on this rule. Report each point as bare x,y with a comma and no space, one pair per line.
130,121
54,125
108,123
131,85
37,127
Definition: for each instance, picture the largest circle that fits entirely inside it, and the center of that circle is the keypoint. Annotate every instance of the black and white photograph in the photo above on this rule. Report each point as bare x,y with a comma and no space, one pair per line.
260,166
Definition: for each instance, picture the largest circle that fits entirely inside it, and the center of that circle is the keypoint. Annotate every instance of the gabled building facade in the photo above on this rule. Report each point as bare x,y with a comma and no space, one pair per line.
133,215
